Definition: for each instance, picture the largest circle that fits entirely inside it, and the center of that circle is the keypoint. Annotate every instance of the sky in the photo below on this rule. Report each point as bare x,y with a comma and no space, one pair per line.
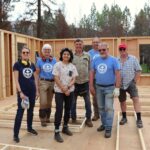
75,9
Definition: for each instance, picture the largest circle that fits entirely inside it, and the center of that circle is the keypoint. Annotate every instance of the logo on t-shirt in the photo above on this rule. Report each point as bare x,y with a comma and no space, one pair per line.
102,68
27,72
47,67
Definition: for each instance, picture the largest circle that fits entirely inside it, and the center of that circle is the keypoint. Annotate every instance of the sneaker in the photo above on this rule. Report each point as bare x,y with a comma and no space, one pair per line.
89,123
95,118
16,139
66,131
101,128
58,137
139,124
32,131
107,133
123,121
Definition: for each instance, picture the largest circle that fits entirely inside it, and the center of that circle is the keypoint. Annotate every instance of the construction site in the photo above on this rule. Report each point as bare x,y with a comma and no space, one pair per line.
127,137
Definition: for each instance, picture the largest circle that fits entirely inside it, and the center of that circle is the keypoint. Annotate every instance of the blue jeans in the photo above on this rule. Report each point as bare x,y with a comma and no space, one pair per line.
105,101
86,97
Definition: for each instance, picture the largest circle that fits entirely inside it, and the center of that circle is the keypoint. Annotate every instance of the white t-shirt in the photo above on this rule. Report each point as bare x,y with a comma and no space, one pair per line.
65,72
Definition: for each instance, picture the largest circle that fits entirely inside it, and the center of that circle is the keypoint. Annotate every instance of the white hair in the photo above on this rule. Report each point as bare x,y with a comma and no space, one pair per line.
46,46
103,44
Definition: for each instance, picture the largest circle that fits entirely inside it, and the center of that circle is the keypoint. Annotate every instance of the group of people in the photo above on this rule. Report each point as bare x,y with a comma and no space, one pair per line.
76,74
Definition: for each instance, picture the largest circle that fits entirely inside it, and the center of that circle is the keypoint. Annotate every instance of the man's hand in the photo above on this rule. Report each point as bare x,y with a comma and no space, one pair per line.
92,90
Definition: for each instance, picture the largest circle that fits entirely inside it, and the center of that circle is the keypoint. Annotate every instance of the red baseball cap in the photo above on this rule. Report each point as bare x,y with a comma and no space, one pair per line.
123,45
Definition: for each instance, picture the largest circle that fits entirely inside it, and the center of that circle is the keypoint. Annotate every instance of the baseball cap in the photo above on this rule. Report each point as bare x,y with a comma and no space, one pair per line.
123,45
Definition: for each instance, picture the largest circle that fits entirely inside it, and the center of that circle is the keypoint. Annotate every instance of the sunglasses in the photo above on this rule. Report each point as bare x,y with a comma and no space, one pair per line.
25,52
100,50
122,49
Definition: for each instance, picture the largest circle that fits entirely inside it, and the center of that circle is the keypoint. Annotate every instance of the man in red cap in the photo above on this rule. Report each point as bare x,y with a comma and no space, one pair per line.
130,74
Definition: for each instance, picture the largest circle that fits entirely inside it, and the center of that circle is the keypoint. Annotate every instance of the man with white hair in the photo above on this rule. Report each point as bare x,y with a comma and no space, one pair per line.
44,68
106,71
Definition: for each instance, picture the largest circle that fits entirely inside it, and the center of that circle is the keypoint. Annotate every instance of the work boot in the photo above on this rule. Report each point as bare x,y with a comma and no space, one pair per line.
139,124
66,131
89,123
123,121
58,137
95,118
42,115
43,123
107,133
101,128
48,121
48,113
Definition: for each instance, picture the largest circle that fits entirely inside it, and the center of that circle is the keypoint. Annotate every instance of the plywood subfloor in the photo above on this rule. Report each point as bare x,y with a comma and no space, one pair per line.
89,138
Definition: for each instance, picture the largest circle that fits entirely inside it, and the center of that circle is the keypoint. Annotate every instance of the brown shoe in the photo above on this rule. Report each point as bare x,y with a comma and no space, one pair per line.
48,121
95,118
43,124
74,121
89,123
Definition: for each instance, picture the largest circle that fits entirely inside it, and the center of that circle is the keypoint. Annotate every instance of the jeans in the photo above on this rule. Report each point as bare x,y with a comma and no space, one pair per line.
62,101
20,112
87,101
105,101
95,105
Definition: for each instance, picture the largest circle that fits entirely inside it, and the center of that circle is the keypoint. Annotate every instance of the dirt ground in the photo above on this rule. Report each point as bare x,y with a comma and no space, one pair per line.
88,138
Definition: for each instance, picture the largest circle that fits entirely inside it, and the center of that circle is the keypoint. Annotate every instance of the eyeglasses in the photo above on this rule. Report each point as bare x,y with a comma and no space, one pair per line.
122,49
25,52
100,50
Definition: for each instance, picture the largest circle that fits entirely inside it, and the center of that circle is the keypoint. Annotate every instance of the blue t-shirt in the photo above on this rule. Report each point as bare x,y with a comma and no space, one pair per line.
105,70
46,68
93,54
26,77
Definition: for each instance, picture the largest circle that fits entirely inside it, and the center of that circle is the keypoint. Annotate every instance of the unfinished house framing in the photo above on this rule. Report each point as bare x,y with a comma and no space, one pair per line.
123,136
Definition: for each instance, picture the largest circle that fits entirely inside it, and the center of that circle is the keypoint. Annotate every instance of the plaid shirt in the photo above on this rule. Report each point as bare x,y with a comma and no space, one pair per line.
128,70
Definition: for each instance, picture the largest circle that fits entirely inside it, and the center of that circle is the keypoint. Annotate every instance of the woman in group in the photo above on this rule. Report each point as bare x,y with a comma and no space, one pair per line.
26,85
44,68
64,74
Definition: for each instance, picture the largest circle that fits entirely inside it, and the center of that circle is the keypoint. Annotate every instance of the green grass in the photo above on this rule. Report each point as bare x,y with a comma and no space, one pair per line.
145,68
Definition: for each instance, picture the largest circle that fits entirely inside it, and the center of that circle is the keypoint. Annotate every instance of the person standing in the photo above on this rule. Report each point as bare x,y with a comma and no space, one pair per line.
130,74
93,54
106,70
64,74
44,68
26,85
82,62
